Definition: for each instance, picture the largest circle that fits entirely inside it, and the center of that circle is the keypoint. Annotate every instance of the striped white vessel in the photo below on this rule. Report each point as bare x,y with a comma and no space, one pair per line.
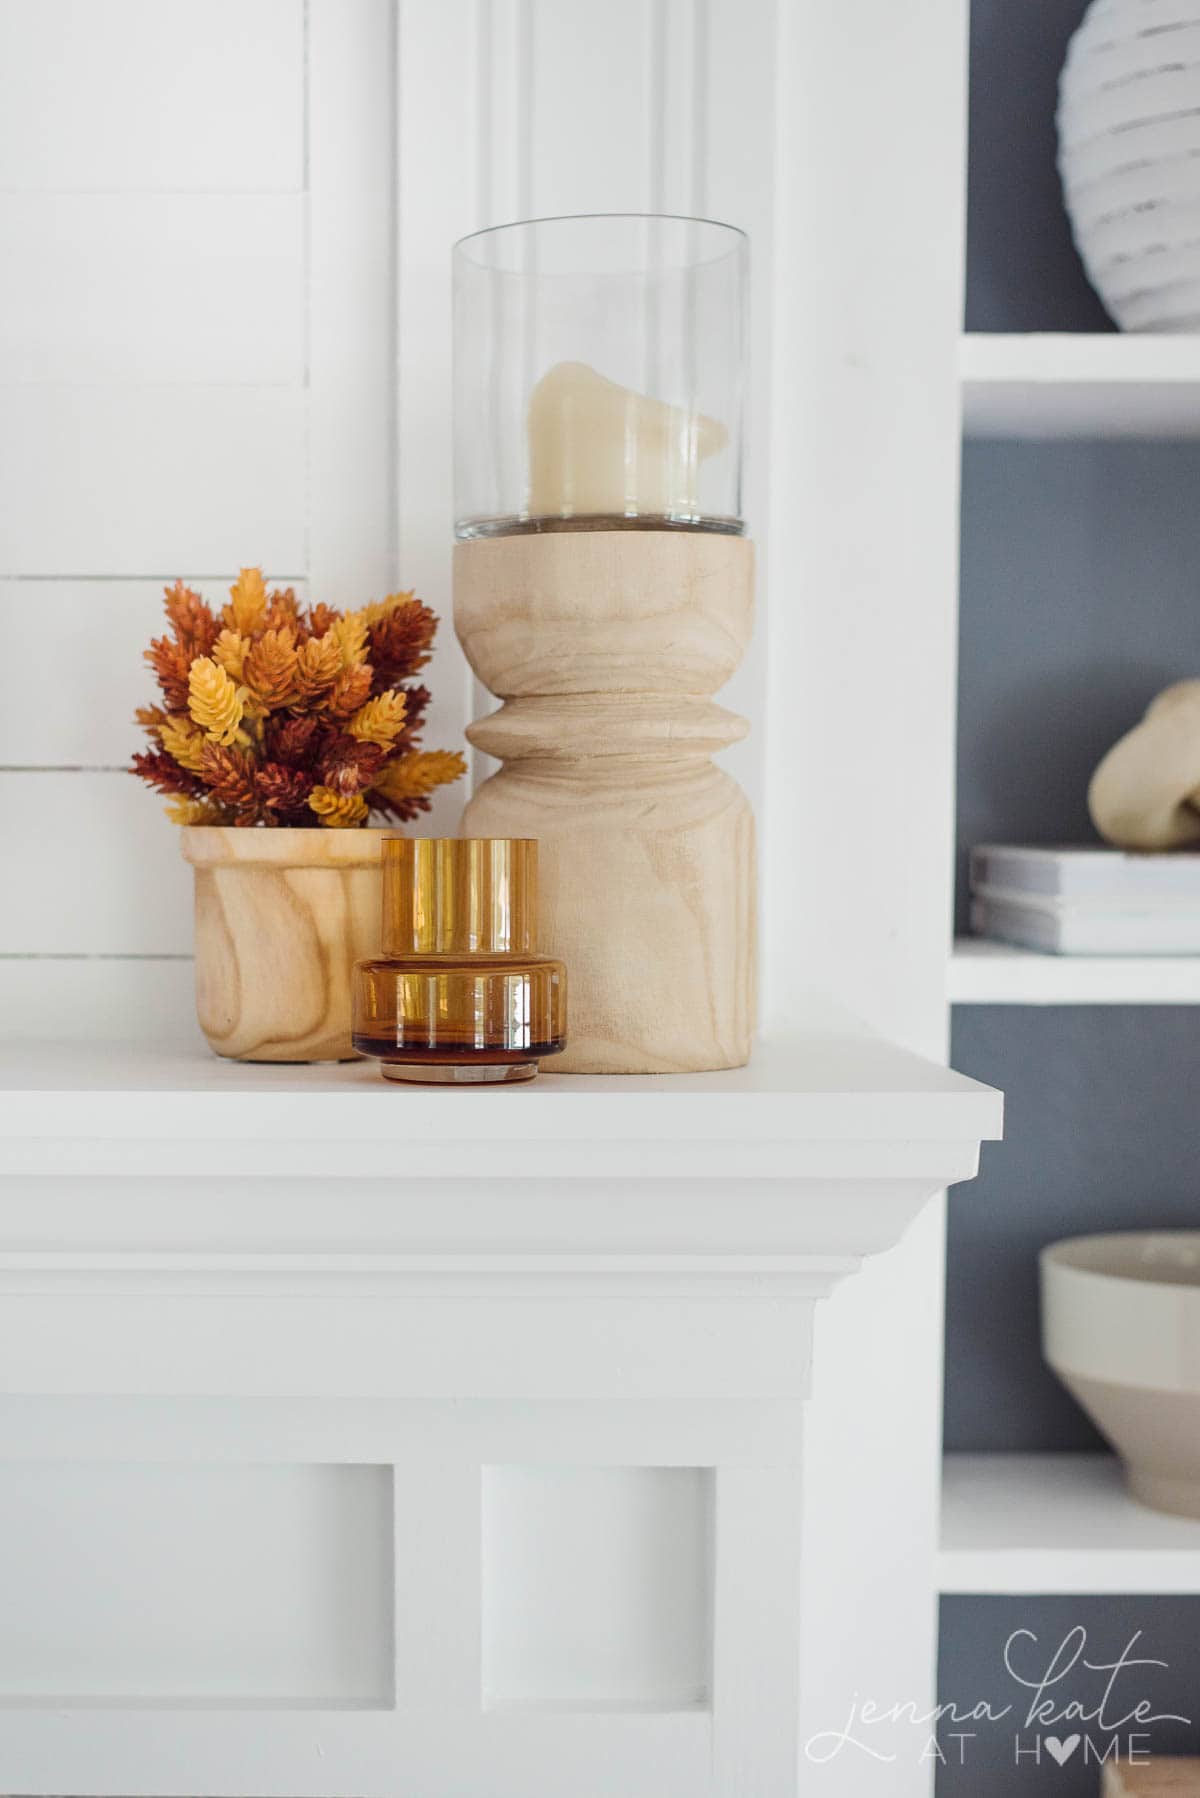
1129,156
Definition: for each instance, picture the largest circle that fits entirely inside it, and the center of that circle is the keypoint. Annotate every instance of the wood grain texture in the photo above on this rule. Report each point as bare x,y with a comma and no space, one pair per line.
604,611
281,918
605,646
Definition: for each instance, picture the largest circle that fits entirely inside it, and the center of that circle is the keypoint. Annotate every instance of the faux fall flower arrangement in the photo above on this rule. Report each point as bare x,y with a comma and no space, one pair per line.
280,714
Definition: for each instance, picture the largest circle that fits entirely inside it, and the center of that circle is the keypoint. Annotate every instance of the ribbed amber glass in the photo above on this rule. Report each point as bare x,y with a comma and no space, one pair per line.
459,994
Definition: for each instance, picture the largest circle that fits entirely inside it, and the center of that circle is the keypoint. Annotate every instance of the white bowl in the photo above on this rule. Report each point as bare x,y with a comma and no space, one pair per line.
1121,1329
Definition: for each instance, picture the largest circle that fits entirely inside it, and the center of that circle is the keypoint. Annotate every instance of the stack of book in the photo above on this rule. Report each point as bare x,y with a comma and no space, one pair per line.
1087,901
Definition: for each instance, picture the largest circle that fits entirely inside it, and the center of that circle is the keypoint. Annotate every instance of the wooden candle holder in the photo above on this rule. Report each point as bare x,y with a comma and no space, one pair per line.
605,647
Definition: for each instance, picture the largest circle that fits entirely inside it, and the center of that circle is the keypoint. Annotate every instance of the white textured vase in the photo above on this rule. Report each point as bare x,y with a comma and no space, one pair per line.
1129,156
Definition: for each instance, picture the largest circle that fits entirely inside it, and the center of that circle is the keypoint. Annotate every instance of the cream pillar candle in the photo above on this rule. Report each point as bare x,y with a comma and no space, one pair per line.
600,450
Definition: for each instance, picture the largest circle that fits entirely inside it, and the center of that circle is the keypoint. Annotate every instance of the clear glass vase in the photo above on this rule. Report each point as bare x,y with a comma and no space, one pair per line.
599,375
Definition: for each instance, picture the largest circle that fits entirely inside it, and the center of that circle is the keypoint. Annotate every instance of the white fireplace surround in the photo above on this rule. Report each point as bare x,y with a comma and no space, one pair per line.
579,1441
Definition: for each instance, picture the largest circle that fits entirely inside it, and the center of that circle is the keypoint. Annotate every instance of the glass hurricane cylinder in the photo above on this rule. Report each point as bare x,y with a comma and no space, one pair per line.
599,375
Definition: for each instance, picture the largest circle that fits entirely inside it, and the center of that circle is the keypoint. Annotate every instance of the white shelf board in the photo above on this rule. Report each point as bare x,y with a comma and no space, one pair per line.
834,1100
987,973
1057,1523
1062,385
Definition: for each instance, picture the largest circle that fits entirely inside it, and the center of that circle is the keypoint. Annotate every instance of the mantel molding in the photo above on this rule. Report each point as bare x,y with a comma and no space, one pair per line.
832,1104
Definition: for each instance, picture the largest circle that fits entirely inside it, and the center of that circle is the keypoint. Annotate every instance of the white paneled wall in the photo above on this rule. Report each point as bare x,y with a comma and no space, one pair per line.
197,228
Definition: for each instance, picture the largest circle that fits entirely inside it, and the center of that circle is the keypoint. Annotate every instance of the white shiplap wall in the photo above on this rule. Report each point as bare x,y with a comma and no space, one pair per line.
197,225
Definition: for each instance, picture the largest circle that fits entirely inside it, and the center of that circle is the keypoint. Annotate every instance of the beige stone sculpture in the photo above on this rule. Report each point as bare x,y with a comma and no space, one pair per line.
1146,792
605,647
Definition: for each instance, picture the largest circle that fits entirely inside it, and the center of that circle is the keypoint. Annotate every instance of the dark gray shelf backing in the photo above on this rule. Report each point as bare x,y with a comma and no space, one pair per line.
1102,1132
1080,598
1023,272
971,1670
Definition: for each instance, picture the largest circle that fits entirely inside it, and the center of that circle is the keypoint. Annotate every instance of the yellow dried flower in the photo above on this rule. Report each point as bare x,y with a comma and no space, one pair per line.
247,608
181,738
381,720
339,811
230,651
414,776
194,811
214,701
351,634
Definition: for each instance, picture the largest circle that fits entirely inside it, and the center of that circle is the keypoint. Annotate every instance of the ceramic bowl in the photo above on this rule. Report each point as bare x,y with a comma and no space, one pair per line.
1121,1329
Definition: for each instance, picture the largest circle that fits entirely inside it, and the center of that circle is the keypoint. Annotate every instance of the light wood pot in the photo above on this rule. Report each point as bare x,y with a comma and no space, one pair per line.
605,647
281,918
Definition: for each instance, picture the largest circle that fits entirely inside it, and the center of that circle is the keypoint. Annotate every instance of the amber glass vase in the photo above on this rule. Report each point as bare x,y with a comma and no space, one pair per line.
459,994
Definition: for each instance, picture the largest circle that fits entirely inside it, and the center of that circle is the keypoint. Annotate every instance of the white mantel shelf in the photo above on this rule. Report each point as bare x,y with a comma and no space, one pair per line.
828,1104
987,973
1057,1523
1055,384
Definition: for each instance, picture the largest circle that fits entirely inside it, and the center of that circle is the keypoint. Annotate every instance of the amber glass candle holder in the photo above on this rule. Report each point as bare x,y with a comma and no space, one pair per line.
459,994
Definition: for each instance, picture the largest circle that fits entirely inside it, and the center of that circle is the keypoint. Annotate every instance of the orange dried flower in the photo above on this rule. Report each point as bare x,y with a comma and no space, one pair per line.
194,625
247,608
284,791
321,618
403,788
270,668
162,772
229,775
400,640
318,664
282,610
351,689
150,717
171,664
349,766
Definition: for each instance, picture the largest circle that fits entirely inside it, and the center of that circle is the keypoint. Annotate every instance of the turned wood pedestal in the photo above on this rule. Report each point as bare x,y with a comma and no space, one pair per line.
606,647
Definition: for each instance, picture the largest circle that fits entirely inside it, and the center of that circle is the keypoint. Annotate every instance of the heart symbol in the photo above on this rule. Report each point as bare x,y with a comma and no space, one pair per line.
1062,1751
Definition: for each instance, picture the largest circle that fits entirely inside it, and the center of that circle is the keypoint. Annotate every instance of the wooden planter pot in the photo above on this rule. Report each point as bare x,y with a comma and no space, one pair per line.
281,918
